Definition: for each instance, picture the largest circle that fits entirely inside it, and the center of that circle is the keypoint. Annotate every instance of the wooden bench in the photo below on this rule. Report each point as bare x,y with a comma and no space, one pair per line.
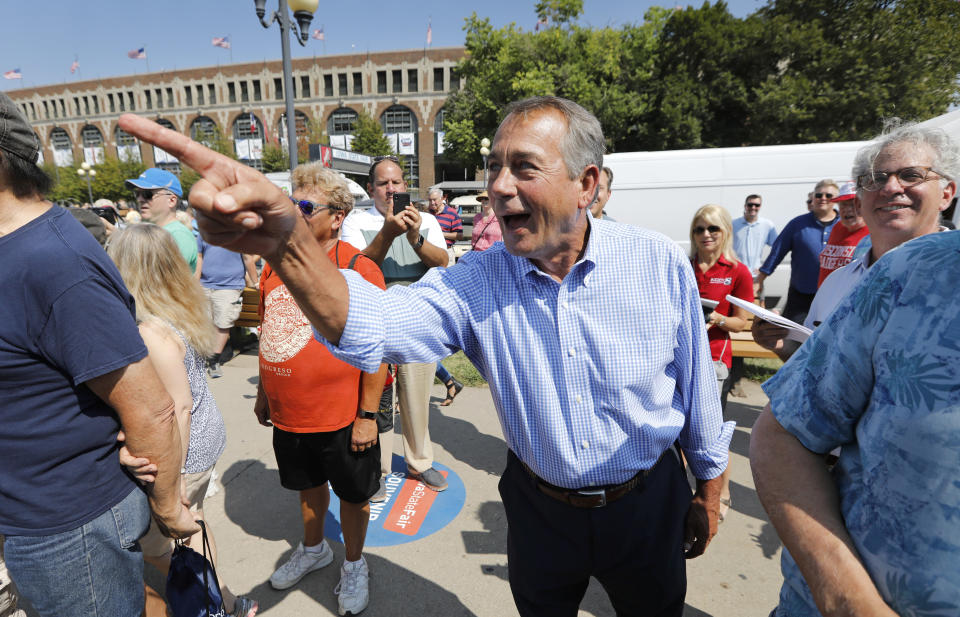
250,312
743,345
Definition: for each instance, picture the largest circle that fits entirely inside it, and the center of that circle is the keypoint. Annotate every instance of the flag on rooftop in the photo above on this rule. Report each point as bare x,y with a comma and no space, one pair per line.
318,34
74,66
429,33
221,41
14,74
137,54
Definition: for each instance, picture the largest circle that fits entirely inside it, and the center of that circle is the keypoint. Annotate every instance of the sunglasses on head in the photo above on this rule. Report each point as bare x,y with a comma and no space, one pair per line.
699,229
309,208
826,195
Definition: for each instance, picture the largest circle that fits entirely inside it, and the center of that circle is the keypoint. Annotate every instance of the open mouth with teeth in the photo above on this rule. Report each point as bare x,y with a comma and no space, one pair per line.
515,221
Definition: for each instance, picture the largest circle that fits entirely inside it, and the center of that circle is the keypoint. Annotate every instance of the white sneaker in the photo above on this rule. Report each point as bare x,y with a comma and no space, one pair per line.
353,590
301,563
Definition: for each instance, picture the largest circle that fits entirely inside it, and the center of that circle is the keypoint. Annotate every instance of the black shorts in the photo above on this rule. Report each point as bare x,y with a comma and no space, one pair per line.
308,460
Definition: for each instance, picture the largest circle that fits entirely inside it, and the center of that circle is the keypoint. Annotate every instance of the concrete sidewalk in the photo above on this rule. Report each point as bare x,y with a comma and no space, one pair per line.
461,569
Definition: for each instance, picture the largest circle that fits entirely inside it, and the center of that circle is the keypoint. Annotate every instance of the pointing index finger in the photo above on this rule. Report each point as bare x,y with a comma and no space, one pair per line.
216,168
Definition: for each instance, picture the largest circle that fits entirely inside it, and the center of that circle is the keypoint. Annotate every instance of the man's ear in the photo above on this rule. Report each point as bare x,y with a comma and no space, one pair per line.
949,192
589,184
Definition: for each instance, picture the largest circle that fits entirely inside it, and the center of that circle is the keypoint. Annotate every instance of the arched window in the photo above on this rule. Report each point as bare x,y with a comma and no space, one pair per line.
248,140
303,125
400,126
128,148
62,148
204,130
163,159
92,144
341,125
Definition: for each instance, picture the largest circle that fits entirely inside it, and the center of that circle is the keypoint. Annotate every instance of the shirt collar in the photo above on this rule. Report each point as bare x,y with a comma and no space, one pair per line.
524,266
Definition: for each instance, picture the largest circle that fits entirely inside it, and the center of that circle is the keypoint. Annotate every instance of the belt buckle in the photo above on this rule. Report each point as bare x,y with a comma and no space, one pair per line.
602,493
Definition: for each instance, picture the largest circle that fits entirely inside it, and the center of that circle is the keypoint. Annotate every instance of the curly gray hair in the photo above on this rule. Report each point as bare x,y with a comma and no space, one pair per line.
946,151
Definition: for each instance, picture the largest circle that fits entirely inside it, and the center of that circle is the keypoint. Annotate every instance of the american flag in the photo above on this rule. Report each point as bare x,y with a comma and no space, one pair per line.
318,34
14,74
221,41
429,33
74,66
137,54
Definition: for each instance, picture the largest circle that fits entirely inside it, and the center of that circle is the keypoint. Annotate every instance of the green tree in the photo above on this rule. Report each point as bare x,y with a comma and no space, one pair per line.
275,158
602,69
368,137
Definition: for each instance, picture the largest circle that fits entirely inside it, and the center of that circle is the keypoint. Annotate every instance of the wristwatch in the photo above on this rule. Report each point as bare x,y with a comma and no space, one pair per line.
366,415
722,321
419,242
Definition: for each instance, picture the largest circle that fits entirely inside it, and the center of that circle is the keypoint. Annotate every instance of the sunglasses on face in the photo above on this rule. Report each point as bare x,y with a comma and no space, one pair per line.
753,205
148,195
824,195
309,208
713,229
907,176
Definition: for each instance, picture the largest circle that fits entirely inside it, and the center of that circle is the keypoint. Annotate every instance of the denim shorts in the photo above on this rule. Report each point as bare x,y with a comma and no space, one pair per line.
95,570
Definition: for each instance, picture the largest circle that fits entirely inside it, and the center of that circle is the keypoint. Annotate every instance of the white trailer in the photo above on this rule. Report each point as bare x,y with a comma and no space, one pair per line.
662,190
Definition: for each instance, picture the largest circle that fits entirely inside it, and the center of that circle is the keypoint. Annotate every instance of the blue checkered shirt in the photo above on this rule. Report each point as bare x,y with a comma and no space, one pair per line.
593,377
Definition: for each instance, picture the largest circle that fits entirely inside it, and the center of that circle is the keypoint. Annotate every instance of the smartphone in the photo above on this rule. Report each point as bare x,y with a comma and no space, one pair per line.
400,202
106,213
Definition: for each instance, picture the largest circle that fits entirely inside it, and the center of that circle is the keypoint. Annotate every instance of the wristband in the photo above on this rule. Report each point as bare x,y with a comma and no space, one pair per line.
366,415
419,242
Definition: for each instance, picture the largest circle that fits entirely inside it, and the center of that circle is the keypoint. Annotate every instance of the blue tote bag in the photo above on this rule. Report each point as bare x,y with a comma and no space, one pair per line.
192,586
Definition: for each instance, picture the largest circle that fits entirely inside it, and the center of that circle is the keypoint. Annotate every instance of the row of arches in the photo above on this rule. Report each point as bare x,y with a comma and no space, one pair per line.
247,133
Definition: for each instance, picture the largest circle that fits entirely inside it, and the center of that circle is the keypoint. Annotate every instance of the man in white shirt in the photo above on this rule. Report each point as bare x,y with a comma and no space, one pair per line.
405,245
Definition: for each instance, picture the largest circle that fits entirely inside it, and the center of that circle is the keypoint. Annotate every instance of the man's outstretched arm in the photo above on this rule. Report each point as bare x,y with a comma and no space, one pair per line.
240,209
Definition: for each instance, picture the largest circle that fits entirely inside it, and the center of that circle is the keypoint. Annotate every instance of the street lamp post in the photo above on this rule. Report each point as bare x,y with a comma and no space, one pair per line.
87,173
303,12
484,152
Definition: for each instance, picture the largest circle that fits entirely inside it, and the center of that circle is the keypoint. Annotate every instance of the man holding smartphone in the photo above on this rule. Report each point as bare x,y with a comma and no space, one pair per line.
405,243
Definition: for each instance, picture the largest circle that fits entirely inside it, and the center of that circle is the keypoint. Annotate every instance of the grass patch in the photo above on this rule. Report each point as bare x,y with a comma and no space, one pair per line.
760,369
463,370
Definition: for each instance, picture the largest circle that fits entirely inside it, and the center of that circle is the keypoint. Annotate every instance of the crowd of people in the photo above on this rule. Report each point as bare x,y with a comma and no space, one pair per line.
603,419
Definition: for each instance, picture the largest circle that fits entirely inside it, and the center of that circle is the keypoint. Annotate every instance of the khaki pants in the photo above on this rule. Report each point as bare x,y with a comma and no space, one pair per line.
413,397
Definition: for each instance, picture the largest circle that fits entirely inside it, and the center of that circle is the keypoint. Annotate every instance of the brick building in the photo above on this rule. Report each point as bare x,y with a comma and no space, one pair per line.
405,90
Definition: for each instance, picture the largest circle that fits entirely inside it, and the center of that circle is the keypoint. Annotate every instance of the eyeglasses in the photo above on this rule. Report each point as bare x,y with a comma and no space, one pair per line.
750,205
149,194
907,177
713,229
824,195
309,208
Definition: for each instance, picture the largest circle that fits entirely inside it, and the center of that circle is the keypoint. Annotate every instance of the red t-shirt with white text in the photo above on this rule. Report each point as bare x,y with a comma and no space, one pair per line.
839,249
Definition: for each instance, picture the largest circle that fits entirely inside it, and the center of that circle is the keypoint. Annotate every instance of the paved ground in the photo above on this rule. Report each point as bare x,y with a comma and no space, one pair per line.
462,569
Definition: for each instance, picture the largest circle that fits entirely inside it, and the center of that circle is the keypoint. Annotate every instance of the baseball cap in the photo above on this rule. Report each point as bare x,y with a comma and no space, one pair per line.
156,178
104,203
16,136
847,191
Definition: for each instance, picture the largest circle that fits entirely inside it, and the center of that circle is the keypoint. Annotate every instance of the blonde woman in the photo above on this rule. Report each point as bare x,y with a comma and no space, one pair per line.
719,273
176,328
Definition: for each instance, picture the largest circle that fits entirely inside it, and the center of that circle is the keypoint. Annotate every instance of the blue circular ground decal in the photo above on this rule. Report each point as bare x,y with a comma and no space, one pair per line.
410,512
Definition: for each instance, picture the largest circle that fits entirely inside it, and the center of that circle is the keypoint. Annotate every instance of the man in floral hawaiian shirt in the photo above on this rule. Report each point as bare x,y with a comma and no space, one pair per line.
878,535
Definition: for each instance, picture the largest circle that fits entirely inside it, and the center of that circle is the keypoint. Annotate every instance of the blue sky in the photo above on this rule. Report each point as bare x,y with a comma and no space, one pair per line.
43,38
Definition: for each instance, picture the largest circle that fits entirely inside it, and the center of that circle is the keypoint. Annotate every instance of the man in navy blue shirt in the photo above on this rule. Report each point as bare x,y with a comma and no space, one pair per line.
804,237
73,372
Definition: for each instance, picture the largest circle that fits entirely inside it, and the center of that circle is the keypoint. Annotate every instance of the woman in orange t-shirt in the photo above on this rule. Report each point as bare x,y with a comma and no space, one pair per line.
322,410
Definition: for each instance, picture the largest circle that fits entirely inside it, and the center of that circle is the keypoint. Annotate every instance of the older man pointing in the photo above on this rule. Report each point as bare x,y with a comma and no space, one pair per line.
590,411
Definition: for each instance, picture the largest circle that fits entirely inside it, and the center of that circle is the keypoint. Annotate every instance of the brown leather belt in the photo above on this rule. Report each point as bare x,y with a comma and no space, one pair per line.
594,497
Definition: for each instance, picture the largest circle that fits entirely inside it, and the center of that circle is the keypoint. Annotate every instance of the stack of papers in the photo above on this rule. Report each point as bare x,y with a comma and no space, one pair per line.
797,333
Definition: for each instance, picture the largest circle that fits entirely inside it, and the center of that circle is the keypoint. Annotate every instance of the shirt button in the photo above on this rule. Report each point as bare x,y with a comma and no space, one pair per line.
571,352
565,304
585,445
579,399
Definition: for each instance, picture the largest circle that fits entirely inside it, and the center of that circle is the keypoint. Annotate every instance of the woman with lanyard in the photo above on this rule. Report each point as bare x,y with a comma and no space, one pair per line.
718,273
486,227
